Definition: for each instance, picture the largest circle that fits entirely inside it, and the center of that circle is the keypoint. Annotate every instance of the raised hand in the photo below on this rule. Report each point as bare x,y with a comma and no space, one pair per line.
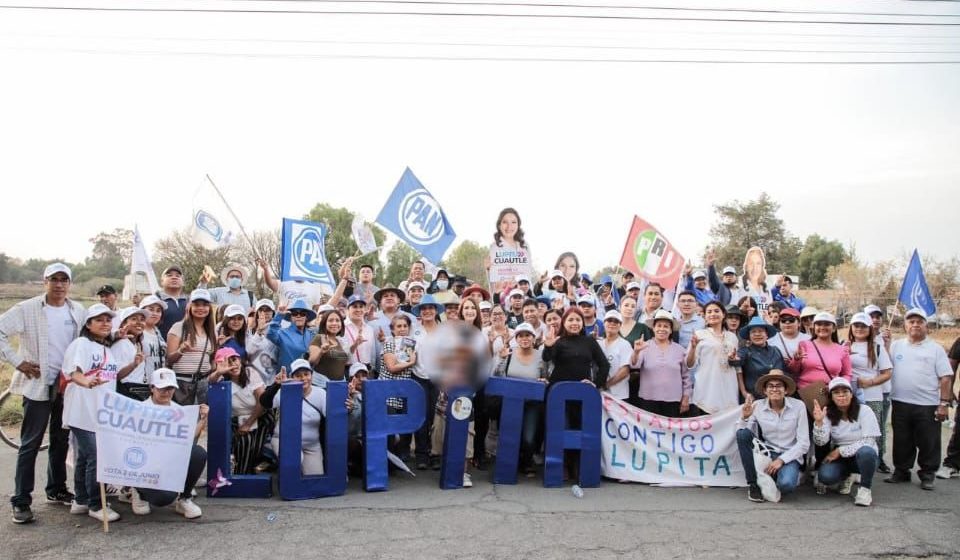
640,345
550,339
281,377
819,413
746,411
710,258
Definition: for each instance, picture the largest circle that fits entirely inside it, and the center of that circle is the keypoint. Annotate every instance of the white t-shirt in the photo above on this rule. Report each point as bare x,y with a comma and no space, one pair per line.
787,346
291,291
862,370
314,409
92,359
154,351
244,400
60,333
618,354
917,369
364,353
125,352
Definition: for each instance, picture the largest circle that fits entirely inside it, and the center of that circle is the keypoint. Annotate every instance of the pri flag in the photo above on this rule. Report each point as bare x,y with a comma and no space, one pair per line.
412,214
303,256
915,292
649,255
363,236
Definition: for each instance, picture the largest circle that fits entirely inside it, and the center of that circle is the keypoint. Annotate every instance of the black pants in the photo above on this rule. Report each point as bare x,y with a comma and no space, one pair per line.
36,416
422,437
952,459
481,425
662,408
160,498
916,438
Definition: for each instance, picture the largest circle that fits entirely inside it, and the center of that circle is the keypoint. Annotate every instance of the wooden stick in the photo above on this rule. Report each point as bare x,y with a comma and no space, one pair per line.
103,503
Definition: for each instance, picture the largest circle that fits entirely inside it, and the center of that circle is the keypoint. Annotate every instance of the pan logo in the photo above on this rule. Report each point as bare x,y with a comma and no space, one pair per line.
420,217
206,223
308,252
135,457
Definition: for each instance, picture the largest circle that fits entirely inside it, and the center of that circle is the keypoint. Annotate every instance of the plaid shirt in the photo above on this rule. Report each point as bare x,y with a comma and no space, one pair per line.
28,320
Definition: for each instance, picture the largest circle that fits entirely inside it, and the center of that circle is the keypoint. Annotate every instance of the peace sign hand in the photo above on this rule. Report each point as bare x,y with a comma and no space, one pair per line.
747,409
819,413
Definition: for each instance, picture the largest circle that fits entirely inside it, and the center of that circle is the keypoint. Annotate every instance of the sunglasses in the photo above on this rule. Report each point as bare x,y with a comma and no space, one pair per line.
298,313
788,320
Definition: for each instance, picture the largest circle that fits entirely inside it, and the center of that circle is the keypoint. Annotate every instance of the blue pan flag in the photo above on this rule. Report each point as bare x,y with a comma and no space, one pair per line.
303,254
914,292
412,214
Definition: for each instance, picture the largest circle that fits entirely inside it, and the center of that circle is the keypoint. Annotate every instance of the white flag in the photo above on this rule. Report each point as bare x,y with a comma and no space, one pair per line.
142,278
363,236
211,224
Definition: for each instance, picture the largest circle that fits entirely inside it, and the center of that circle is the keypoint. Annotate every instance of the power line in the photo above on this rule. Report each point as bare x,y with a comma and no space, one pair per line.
602,6
480,58
473,14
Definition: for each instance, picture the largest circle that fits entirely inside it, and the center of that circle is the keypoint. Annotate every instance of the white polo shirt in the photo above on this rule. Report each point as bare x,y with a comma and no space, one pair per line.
917,369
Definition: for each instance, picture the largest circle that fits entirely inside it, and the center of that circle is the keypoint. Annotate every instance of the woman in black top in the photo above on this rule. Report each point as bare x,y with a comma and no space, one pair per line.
575,356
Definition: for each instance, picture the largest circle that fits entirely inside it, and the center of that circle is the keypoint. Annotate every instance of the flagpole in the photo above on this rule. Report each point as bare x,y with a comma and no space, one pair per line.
239,223
103,504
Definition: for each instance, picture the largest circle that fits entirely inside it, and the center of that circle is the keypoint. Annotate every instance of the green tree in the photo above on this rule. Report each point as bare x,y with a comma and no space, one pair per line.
179,249
816,258
467,260
399,259
741,225
110,257
339,243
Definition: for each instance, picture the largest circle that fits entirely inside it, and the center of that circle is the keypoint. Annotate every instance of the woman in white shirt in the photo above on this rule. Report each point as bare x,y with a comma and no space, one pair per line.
715,387
312,413
872,369
852,431
261,353
128,345
248,434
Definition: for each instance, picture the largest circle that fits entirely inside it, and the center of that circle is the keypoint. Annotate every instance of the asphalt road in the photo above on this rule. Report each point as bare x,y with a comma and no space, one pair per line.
415,519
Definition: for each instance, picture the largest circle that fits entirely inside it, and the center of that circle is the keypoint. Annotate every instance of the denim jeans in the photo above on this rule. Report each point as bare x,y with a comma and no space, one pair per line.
531,434
864,462
85,470
787,477
37,416
160,498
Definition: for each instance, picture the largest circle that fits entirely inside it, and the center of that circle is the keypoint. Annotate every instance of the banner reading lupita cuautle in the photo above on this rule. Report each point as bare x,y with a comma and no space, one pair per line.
644,447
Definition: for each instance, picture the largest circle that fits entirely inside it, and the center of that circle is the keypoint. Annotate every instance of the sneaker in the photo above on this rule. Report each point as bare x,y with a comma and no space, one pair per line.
263,467
423,464
754,494
864,497
898,477
926,484
22,514
187,508
114,491
138,504
947,472
108,511
821,489
61,497
435,462
78,509
883,468
467,481
846,486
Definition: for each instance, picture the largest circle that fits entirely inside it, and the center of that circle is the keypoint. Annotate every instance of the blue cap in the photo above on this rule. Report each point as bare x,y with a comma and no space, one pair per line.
356,298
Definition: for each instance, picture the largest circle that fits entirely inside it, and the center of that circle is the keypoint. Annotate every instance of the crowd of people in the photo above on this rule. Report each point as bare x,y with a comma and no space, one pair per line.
716,342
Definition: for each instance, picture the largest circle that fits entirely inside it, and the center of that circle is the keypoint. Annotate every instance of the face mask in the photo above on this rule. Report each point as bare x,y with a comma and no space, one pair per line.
234,283
442,285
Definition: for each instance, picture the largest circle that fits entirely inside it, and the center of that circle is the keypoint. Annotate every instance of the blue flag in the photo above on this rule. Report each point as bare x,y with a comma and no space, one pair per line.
412,214
303,256
915,292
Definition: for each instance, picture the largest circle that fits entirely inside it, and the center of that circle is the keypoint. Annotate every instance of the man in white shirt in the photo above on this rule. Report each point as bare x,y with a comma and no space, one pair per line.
921,393
46,325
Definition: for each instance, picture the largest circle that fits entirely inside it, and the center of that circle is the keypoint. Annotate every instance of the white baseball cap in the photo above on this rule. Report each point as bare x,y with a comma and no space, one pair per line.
699,274
516,292
485,305
265,303
613,316
872,309
916,312
555,274
356,368
633,286
162,378
200,294
299,364
128,312
824,317
416,284
588,299
56,267
326,307
522,278
524,328
233,311
152,300
99,309
861,318
839,382
729,270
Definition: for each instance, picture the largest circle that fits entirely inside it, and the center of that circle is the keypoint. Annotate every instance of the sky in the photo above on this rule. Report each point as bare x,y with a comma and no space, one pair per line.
110,119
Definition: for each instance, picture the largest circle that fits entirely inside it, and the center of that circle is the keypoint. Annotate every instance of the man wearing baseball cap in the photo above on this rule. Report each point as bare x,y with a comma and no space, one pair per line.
921,394
172,294
46,325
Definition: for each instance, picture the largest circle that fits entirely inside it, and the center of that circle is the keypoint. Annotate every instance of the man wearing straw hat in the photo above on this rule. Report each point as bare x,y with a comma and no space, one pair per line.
232,292
780,421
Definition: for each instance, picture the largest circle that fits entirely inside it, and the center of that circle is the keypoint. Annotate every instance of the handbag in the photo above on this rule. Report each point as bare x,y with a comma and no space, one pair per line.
190,391
816,391
762,457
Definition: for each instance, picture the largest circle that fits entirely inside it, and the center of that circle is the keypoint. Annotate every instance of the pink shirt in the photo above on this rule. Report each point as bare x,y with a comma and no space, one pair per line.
810,369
